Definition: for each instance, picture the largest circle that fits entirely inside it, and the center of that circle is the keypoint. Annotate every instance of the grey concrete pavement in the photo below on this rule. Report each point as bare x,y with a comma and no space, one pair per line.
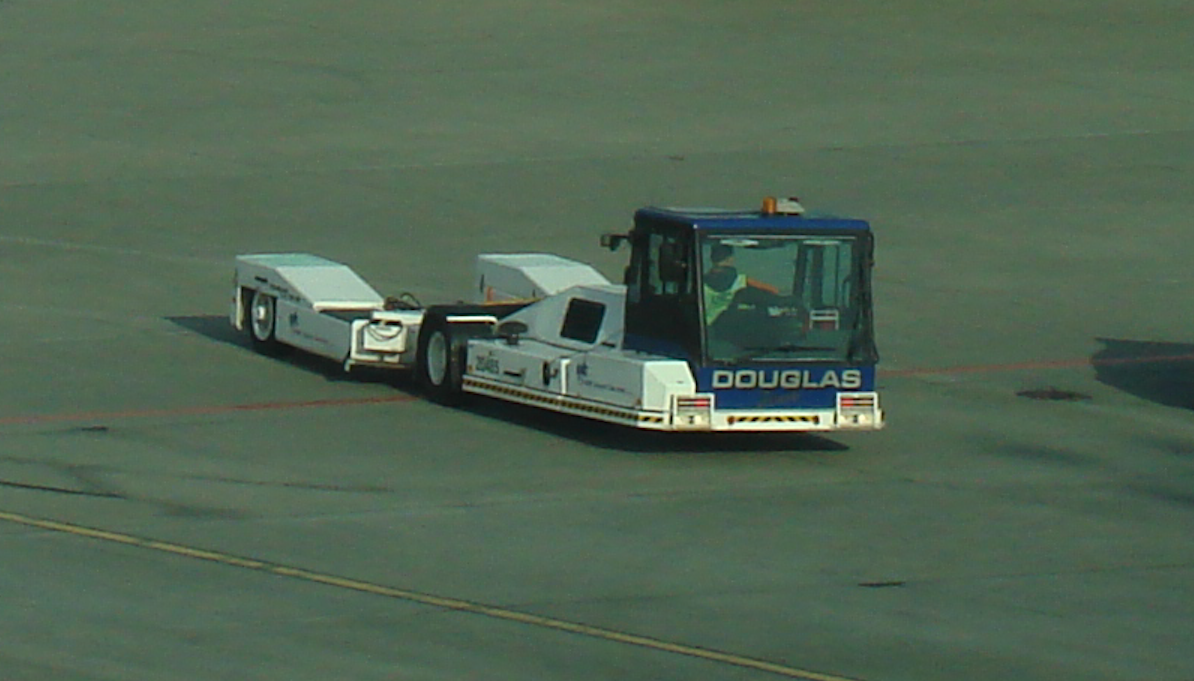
1026,167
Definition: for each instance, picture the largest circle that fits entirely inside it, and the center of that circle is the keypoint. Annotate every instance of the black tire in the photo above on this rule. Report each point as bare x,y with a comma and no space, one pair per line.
261,323
442,351
440,357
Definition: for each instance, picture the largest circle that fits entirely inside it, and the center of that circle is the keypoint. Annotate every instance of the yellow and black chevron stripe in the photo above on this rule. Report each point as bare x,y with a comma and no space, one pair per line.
806,418
556,400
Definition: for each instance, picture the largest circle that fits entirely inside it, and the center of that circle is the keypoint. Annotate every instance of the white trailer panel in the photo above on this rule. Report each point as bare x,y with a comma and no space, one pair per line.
529,276
307,279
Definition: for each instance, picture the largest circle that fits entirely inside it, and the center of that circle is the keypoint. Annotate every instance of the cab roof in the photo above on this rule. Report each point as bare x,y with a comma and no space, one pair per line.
719,219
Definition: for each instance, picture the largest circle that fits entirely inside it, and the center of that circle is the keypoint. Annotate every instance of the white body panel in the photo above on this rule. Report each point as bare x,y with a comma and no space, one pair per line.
309,280
546,318
304,328
325,308
529,276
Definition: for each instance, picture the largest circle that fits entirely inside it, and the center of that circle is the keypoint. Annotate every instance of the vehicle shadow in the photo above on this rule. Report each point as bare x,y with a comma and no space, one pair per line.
213,327
1160,372
217,328
626,439
586,431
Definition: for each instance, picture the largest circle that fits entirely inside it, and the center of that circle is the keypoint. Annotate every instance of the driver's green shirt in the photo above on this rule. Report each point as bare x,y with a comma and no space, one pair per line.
717,302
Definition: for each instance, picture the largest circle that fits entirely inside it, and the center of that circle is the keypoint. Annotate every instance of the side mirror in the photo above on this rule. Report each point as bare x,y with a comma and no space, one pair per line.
613,241
511,330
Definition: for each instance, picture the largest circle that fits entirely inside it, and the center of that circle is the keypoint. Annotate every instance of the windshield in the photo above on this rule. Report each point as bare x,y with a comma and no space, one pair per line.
784,298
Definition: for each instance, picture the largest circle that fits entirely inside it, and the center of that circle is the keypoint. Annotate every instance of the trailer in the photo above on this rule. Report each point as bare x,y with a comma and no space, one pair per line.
725,321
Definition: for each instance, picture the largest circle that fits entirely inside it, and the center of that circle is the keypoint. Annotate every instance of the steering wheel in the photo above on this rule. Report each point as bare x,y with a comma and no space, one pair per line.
756,317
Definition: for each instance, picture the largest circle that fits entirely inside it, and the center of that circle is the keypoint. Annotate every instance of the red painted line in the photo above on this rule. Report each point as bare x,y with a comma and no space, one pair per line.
201,411
1044,364
391,399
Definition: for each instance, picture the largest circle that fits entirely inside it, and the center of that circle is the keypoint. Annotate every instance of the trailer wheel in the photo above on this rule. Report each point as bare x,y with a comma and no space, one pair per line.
263,317
440,357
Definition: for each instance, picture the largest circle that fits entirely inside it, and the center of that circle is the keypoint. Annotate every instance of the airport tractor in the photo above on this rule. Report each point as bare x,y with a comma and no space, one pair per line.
726,321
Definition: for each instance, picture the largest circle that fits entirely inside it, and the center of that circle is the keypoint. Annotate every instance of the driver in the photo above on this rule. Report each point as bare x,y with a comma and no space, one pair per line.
723,282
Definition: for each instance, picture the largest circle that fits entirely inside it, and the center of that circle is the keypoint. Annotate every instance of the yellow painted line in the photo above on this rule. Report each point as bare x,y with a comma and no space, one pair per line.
426,599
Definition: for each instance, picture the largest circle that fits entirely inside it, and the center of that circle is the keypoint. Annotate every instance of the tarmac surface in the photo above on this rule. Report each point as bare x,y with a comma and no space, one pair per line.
173,506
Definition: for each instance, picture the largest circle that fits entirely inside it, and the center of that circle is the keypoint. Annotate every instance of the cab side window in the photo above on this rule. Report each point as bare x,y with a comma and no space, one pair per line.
582,321
668,271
